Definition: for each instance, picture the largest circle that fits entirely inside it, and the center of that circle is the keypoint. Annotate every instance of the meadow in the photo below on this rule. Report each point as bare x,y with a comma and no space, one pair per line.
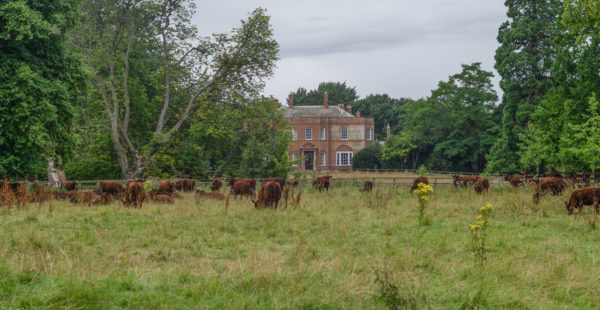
338,250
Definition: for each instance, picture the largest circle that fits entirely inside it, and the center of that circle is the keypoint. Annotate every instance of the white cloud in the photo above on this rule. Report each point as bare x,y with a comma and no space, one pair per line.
402,48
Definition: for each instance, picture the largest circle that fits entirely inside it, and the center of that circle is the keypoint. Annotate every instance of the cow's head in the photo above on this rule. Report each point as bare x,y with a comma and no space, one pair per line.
569,209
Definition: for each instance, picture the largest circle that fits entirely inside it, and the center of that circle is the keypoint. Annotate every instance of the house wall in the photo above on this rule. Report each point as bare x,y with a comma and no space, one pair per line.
356,138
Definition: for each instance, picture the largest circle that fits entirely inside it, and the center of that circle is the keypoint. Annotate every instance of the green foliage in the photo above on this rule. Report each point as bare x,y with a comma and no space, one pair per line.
384,110
454,128
368,158
40,78
523,61
396,150
337,93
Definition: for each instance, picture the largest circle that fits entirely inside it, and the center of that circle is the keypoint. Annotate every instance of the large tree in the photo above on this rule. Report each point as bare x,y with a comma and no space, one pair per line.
40,81
452,129
150,66
523,61
385,110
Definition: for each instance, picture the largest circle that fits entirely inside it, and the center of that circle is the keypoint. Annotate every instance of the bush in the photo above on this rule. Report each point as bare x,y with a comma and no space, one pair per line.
368,158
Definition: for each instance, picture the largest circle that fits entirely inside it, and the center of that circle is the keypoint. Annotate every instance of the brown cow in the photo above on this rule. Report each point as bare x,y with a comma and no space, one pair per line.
464,180
268,195
72,196
216,184
418,180
368,187
321,183
164,199
583,197
552,185
482,185
209,195
185,184
68,185
113,188
166,187
252,182
134,194
241,188
514,180
279,180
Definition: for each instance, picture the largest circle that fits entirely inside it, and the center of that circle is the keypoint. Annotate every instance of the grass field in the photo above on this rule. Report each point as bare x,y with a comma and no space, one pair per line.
325,254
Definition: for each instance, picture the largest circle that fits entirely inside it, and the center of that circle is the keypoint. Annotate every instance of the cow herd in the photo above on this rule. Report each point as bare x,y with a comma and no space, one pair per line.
134,193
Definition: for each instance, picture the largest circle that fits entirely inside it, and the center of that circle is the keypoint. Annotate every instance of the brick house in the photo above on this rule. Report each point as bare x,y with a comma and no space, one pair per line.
327,137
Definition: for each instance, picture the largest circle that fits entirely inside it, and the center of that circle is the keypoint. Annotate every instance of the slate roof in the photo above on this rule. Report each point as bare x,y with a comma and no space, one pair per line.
315,111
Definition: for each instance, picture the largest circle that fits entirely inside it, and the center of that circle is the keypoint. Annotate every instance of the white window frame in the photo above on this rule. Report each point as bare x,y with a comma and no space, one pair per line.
342,132
308,133
294,157
369,134
323,159
295,133
322,134
339,160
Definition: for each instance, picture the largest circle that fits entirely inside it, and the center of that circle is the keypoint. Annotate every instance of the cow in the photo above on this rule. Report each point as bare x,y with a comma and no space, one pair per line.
482,185
134,194
72,196
113,188
279,180
241,188
68,185
367,187
166,187
514,180
464,180
581,197
89,198
321,183
552,185
268,195
216,184
418,180
209,195
164,199
185,185
252,182
294,183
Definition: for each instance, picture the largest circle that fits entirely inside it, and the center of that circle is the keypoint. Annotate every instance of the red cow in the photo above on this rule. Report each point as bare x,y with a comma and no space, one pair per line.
514,180
210,195
482,185
166,187
164,199
252,182
216,185
279,180
581,197
134,194
242,188
112,188
553,185
268,196
321,183
68,185
464,180
416,182
368,187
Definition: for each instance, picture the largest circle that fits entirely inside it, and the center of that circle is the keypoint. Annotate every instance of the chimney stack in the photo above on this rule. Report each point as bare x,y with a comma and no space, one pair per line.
358,114
326,101
349,109
389,130
291,101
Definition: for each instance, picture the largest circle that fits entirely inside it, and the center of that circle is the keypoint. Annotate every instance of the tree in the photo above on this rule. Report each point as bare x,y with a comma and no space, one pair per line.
41,78
384,110
368,158
466,103
396,150
338,93
128,41
523,61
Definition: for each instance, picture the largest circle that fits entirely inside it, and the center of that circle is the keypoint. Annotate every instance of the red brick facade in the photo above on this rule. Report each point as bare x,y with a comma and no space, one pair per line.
335,151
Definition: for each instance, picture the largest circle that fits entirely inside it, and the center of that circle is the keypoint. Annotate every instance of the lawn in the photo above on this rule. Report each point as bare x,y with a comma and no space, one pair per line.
341,249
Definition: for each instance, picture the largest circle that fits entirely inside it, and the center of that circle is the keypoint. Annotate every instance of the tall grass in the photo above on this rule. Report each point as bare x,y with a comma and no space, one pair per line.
327,253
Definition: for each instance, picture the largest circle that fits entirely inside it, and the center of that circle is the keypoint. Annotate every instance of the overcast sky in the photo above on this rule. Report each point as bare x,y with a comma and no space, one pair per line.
402,48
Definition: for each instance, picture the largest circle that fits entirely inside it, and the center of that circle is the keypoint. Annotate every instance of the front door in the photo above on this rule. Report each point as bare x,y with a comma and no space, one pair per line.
308,162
